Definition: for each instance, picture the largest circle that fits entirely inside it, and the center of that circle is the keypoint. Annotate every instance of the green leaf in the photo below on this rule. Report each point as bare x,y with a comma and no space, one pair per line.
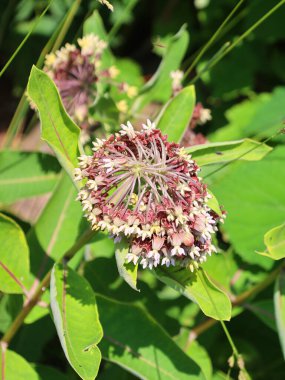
58,129
14,256
177,114
75,314
10,306
249,192
198,288
222,152
214,204
49,373
14,367
135,341
158,88
128,271
26,174
279,307
264,310
274,240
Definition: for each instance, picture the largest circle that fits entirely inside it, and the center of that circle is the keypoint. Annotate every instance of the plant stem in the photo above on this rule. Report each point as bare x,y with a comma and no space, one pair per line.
38,19
241,38
28,307
212,39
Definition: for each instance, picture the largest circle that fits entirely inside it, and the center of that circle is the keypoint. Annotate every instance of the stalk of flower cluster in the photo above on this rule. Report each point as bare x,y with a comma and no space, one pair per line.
140,186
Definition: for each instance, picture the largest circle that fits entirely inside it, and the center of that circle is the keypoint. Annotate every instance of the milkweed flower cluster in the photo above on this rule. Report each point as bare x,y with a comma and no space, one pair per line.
77,73
140,186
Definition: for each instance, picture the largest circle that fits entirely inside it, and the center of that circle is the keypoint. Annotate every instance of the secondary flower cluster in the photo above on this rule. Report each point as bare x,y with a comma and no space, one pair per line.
77,73
139,185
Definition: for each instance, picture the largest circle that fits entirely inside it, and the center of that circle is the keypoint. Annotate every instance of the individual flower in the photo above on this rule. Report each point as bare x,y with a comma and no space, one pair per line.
140,186
176,77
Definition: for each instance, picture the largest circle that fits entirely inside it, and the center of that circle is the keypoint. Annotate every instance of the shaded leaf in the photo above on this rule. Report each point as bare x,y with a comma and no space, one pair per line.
128,271
49,373
14,367
133,340
177,114
10,306
76,319
198,288
26,174
279,307
264,310
58,129
222,152
14,256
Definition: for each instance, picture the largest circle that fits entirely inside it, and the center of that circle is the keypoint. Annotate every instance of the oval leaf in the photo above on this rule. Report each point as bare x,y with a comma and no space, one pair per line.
274,240
14,256
177,114
279,307
128,271
26,174
76,320
14,367
136,342
214,153
58,130
197,287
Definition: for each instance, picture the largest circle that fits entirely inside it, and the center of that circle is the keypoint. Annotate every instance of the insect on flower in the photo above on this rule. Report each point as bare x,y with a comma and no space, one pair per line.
139,185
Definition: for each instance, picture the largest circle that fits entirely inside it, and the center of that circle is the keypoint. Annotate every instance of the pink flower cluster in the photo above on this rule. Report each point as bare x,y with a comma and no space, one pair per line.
139,185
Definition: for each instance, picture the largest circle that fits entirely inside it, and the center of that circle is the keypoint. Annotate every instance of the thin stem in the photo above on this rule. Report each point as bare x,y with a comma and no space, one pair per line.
212,39
38,19
242,37
28,307
231,342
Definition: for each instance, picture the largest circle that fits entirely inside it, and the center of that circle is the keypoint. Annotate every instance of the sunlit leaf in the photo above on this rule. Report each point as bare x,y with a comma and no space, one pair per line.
213,153
177,114
14,367
58,130
274,240
198,288
26,174
14,256
76,319
279,306
133,340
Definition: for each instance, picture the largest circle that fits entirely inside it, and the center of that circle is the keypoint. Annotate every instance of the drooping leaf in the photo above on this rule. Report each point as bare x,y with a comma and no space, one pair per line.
158,88
14,256
264,310
75,314
133,340
279,307
198,288
128,271
26,174
177,114
274,240
57,128
213,153
249,192
14,367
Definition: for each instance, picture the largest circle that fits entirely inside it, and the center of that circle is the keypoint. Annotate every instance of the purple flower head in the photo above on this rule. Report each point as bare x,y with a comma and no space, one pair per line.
140,186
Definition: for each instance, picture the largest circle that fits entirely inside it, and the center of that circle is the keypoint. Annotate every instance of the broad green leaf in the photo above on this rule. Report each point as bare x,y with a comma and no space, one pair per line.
128,271
75,314
158,88
136,342
274,240
279,307
196,352
213,153
58,130
198,288
14,367
10,306
249,193
264,310
26,174
14,256
177,114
